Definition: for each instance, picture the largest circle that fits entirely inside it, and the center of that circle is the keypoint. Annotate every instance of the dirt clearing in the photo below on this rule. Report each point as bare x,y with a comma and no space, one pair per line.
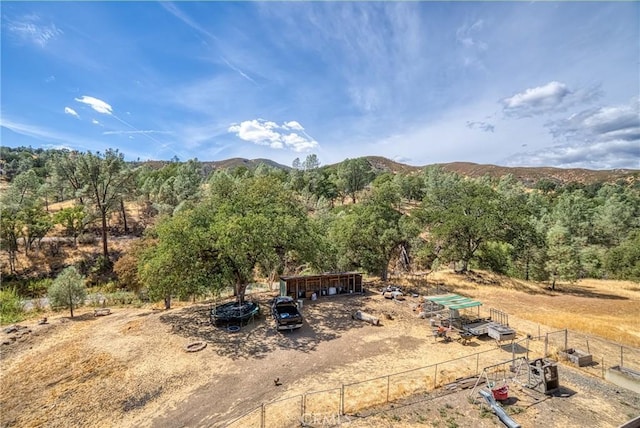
130,368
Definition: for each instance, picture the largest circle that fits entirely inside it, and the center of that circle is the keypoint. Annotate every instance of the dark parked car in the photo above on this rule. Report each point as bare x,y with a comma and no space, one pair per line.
285,312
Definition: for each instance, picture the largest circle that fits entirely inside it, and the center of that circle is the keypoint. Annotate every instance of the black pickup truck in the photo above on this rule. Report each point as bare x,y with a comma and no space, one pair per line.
286,313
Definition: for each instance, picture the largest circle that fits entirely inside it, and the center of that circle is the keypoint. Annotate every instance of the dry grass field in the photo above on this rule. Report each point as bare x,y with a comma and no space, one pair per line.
130,368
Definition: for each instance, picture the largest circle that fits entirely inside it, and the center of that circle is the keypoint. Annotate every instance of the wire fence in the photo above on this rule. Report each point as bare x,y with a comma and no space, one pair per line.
591,354
331,406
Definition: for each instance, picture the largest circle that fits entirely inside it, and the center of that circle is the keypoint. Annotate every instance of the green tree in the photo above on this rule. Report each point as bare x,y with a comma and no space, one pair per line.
563,257
353,176
105,178
244,224
623,261
370,233
73,220
67,290
66,174
460,215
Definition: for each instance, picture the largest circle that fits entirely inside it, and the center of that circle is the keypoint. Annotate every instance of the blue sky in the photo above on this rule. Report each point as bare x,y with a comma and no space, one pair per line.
507,83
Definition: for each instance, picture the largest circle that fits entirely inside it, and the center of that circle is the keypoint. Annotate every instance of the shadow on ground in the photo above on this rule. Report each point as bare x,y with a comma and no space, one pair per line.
324,320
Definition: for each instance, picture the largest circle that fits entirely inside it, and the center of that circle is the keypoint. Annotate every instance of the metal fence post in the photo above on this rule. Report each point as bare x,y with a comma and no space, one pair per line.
477,363
262,416
566,339
342,400
621,358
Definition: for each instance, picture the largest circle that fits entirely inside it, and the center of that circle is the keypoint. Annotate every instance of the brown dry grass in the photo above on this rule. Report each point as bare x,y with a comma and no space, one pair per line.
607,309
109,370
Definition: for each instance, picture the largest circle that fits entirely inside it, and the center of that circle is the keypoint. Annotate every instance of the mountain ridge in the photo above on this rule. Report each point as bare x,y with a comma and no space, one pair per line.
527,175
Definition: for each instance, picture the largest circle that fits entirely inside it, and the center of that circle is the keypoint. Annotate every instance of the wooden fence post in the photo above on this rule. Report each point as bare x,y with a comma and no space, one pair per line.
546,344
262,416
388,381
566,339
342,400
435,378
304,405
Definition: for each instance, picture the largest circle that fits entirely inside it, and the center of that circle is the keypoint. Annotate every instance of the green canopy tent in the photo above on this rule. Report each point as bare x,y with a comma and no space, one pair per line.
455,302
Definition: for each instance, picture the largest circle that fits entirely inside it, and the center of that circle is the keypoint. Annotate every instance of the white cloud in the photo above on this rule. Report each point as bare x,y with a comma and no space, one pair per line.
96,104
551,97
600,138
72,112
601,124
267,133
612,154
29,29
96,122
293,125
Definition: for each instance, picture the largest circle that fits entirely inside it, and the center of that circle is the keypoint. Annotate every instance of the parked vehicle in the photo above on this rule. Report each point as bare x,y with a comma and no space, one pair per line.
285,312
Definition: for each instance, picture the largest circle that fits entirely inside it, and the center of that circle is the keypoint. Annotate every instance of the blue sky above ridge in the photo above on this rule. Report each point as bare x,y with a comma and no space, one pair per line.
508,83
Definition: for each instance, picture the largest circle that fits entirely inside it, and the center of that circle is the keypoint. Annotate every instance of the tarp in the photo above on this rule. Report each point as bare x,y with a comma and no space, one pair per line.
454,301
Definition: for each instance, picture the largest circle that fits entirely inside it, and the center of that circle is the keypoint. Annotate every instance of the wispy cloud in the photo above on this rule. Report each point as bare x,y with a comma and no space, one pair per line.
237,70
96,104
600,138
175,11
591,155
136,132
45,134
72,112
549,98
267,133
96,122
608,123
30,29
483,126
473,48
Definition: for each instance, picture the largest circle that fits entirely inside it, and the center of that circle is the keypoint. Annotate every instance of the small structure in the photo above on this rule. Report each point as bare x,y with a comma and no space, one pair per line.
580,358
455,302
326,284
500,332
624,377
542,375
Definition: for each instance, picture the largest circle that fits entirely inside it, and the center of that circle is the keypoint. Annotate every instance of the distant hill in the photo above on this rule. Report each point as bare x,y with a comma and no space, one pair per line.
529,176
248,163
225,164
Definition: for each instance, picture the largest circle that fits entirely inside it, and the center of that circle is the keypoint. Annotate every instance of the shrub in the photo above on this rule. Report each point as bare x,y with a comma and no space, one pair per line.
11,307
68,290
87,239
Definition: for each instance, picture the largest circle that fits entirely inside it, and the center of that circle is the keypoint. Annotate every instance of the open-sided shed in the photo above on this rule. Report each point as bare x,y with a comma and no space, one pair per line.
326,284
455,302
